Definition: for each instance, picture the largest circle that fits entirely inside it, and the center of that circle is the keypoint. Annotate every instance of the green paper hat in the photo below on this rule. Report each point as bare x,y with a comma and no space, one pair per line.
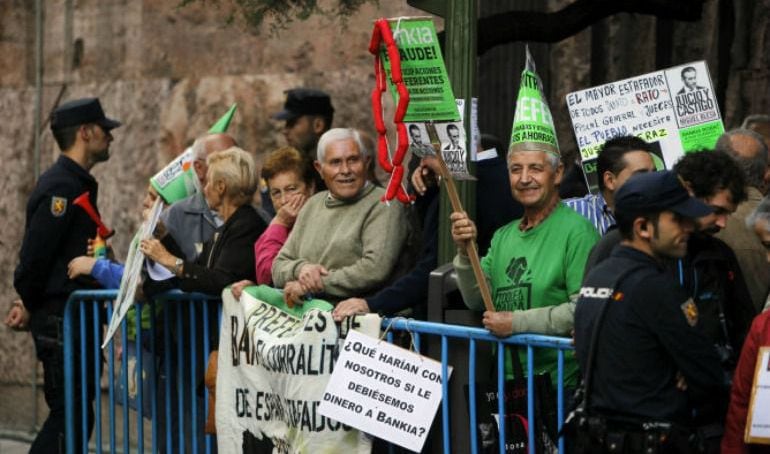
178,179
532,123
223,123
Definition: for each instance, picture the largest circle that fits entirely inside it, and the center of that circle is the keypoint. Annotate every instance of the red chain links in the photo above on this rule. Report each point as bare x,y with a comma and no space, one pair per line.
382,33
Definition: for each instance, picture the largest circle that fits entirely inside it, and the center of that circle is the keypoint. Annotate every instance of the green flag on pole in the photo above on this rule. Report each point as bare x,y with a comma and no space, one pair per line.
532,123
223,123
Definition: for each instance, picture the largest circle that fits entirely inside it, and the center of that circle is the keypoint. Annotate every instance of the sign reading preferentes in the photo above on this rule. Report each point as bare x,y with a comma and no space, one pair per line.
384,390
674,109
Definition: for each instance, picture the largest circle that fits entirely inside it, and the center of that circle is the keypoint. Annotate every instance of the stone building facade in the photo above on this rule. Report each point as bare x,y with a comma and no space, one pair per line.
169,71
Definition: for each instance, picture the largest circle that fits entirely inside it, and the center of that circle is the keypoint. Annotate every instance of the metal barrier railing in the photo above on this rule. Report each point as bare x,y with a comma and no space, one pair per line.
474,335
173,371
90,310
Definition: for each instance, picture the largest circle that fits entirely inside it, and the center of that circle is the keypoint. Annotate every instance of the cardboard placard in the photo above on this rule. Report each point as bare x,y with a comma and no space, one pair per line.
423,70
674,109
178,179
384,390
758,418
132,272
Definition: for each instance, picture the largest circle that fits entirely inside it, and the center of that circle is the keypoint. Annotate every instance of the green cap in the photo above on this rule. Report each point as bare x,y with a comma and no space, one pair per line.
532,123
223,123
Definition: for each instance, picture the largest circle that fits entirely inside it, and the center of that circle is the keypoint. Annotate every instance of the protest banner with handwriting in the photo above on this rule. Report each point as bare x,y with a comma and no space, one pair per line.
674,109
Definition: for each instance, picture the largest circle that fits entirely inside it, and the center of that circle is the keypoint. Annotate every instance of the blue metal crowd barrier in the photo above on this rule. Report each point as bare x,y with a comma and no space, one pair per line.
474,335
174,369
191,325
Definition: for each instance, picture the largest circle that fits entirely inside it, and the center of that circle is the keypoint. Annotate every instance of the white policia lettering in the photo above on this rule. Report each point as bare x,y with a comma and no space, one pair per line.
592,292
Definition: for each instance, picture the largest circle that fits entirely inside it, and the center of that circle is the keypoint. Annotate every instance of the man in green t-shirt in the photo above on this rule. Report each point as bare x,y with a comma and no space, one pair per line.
535,264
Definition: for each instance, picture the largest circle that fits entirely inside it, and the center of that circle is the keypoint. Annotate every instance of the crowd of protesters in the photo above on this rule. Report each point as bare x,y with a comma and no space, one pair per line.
688,247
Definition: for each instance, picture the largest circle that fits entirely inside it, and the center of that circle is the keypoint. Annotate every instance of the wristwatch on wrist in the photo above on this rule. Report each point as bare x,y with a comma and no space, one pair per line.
178,266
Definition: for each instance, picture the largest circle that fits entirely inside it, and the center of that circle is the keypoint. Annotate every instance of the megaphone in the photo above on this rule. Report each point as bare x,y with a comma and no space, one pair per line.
85,203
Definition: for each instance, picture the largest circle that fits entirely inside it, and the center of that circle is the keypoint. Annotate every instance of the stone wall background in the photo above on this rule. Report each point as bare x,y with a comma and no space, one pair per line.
168,73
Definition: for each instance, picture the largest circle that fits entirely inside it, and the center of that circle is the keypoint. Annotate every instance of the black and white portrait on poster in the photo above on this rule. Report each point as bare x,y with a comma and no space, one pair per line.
452,138
419,140
690,80
694,100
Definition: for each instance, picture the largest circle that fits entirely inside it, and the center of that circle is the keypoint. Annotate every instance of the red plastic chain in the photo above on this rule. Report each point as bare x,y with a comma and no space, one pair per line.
380,34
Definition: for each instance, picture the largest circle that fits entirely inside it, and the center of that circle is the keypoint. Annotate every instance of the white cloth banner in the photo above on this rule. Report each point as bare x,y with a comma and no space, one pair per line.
272,371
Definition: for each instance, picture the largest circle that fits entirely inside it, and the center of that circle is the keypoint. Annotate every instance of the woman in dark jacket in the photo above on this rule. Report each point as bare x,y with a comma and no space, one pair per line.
229,256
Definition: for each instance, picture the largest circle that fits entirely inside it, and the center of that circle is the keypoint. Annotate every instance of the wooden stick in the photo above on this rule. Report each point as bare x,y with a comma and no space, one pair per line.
470,246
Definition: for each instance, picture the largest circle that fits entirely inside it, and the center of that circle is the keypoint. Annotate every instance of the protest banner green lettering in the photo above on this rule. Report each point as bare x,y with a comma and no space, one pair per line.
533,128
423,70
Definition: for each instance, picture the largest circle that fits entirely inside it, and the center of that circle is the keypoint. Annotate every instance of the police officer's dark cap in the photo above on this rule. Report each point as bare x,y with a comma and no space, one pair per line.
654,192
305,101
80,112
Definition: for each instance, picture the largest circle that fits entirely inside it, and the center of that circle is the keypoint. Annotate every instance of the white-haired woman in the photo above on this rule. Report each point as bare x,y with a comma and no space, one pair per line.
228,257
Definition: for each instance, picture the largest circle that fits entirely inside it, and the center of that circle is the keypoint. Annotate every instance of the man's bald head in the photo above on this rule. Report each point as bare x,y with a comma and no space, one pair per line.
206,145
759,124
749,149
210,143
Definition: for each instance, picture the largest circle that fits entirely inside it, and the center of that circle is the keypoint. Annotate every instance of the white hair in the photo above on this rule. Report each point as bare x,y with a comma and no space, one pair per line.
199,149
760,213
550,158
336,135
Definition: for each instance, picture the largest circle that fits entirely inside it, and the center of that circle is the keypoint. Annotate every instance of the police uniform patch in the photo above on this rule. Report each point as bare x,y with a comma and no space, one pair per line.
58,206
690,312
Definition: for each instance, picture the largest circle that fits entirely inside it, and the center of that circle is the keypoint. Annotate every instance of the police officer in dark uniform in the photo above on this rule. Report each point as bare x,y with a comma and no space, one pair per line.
57,231
647,368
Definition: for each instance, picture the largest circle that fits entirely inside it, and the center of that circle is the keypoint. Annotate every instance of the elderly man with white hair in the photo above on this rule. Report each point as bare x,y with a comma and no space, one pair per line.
534,265
345,242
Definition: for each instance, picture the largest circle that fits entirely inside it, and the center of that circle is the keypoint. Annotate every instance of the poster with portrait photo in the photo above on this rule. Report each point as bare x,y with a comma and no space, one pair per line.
451,136
692,90
650,107
419,139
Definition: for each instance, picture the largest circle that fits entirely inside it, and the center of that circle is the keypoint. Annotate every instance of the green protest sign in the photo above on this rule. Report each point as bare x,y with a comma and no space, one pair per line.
423,70
532,123
178,179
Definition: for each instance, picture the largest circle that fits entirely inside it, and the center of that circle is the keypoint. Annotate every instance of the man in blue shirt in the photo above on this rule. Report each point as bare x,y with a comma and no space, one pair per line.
618,159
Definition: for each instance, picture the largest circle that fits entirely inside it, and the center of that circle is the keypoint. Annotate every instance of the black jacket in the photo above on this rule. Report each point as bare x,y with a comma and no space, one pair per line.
226,258
56,231
648,335
710,274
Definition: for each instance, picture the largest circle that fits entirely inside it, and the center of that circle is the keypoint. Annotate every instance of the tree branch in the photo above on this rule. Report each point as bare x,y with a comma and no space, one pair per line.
513,26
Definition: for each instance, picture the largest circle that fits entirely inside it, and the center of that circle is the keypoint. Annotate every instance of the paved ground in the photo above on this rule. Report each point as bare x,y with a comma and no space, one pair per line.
13,447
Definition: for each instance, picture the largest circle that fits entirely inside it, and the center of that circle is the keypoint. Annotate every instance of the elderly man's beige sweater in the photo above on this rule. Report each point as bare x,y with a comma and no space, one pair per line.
359,241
